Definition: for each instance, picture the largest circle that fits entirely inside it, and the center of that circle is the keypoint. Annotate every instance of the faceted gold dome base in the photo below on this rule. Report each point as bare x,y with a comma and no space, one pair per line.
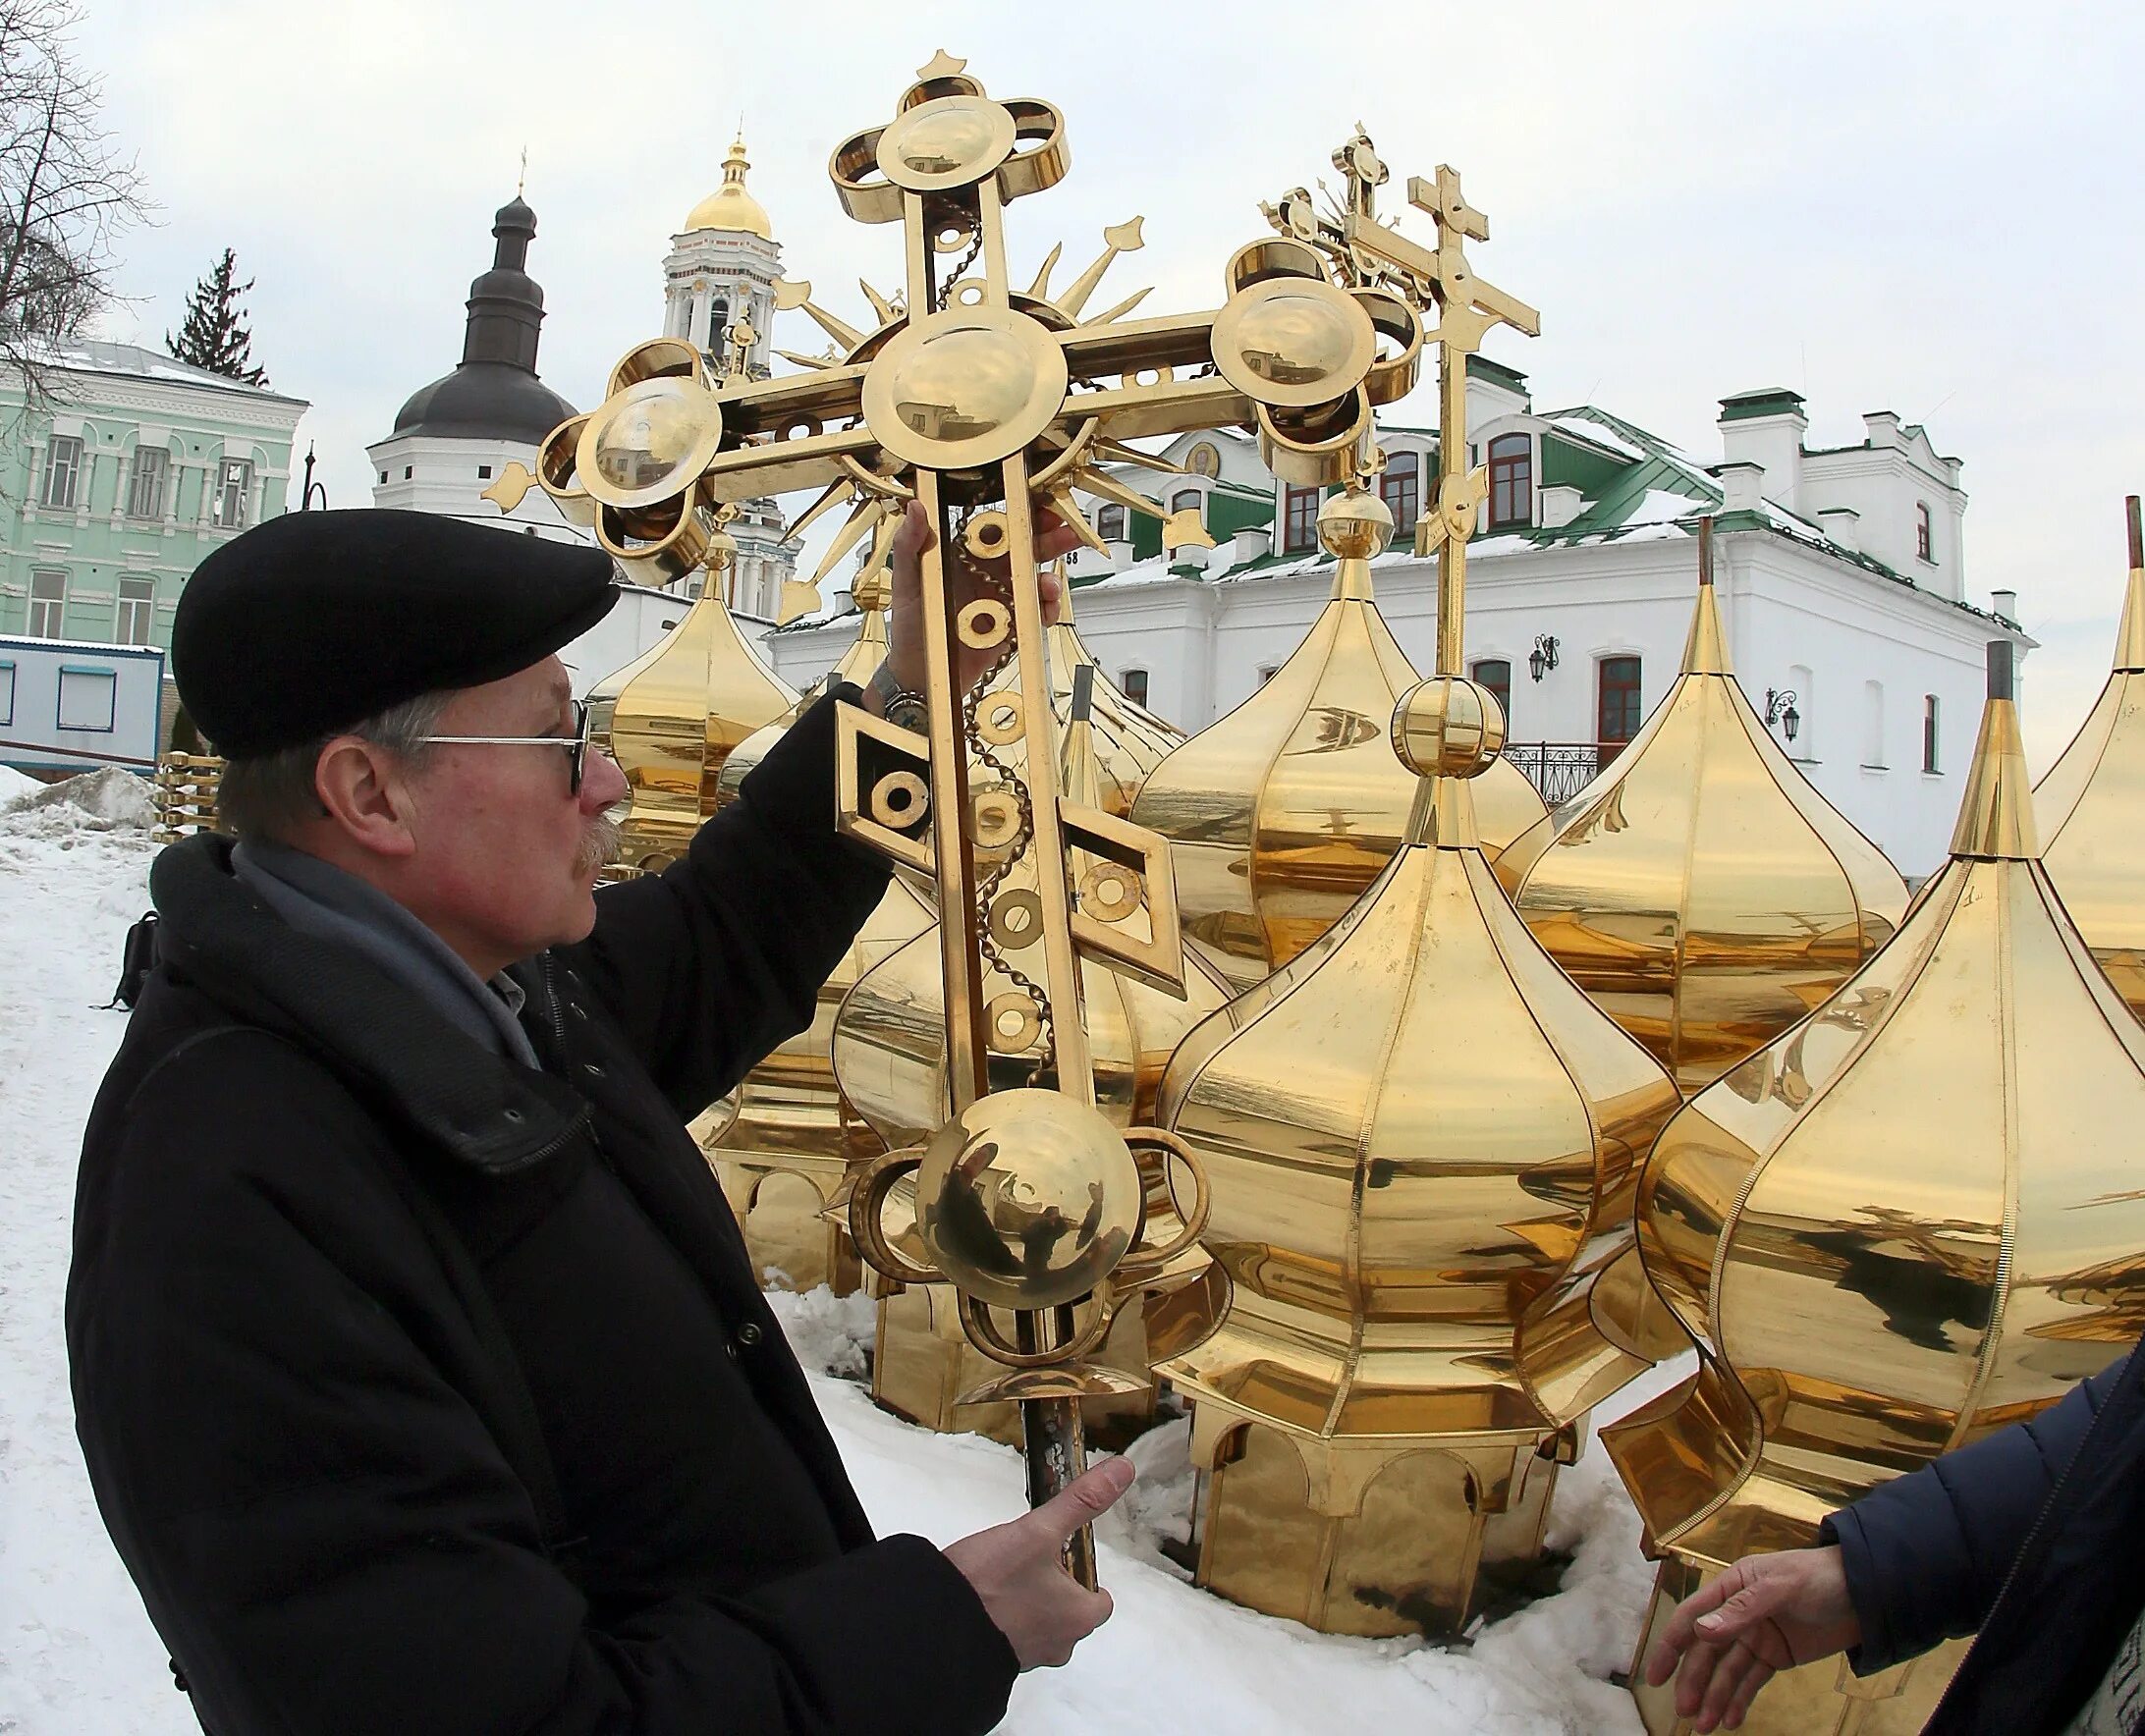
1374,1538
782,1209
1822,1698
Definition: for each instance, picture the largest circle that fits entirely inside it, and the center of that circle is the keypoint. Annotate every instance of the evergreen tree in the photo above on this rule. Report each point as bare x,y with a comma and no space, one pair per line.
215,334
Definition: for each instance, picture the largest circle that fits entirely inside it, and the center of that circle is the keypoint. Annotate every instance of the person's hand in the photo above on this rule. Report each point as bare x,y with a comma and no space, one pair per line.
1765,1614
905,620
1041,1608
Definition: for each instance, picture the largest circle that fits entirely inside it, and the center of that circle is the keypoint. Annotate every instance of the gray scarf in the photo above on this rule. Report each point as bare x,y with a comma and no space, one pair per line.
320,899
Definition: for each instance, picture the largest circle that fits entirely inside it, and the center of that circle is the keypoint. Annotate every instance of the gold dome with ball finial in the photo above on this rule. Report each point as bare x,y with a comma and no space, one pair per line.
1280,814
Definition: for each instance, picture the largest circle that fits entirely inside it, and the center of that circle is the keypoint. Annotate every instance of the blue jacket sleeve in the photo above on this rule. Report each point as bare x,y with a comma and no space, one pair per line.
709,964
1926,1554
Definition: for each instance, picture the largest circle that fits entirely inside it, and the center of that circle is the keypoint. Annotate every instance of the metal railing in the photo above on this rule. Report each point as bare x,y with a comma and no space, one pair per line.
1560,770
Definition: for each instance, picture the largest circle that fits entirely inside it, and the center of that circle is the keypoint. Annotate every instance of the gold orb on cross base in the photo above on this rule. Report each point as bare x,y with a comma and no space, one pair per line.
1028,1199
1448,726
1354,524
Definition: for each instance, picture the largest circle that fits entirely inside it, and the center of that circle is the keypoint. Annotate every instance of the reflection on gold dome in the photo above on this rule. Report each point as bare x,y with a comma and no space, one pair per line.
1423,1143
1280,814
1699,889
2091,806
729,206
1899,1226
671,716
783,1141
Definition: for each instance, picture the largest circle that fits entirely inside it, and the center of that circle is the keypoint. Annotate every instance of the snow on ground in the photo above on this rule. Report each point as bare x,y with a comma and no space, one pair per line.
77,1656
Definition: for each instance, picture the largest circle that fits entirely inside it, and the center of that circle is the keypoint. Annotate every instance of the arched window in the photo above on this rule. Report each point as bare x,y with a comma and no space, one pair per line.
718,326
1133,683
1494,673
1299,521
1512,480
1619,713
1184,496
1873,726
1925,542
1399,486
1109,524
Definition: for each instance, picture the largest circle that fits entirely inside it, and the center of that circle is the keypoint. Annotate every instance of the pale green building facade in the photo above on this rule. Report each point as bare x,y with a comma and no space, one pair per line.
131,468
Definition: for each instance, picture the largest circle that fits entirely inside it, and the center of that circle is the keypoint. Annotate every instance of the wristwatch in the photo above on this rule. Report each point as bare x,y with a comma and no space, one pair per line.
903,707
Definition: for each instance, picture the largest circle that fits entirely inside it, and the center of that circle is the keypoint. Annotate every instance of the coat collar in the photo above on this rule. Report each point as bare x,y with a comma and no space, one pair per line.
377,1034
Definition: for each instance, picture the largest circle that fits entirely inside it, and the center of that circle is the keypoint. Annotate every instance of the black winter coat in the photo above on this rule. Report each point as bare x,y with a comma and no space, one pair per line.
422,1392
2034,1536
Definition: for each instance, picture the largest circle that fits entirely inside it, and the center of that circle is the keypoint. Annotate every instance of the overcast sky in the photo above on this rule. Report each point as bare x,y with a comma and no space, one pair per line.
1930,209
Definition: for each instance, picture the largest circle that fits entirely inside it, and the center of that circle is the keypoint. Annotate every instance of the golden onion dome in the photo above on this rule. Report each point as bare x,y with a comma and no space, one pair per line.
1907,1221
2090,809
1698,889
1423,1144
729,206
1280,814
674,714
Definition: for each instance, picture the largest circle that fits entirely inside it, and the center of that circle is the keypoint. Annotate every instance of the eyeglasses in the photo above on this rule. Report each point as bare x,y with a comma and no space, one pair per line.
576,744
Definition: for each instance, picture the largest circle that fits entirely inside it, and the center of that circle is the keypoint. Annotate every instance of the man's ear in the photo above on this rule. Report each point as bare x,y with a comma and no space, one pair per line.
367,800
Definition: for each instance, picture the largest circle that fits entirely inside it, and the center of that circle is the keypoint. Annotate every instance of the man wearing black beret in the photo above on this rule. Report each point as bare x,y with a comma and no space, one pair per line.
422,1379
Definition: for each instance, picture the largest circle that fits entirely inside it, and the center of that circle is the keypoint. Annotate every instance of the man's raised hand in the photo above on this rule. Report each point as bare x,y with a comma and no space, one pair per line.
904,623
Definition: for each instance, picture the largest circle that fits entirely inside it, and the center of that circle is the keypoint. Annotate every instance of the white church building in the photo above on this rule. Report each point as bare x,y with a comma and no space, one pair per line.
1841,575
455,438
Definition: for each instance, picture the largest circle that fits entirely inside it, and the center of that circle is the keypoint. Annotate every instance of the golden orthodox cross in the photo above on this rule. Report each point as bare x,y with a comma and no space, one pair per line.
981,400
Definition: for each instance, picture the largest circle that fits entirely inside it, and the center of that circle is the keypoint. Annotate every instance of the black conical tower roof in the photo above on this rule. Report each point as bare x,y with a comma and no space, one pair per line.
495,393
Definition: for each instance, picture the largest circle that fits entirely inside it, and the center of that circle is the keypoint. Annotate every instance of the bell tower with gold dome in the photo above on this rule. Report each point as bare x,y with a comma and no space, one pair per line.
719,295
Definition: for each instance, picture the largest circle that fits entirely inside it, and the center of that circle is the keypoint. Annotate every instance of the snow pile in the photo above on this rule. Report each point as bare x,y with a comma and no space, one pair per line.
77,1655
14,785
105,801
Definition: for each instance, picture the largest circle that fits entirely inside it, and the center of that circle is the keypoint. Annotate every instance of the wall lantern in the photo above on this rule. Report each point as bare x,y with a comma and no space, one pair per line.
1543,658
1780,708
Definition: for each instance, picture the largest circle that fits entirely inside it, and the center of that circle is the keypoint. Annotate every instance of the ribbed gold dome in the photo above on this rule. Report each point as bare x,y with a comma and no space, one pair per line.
1698,889
2090,809
1423,1144
1280,814
1902,1224
673,715
729,206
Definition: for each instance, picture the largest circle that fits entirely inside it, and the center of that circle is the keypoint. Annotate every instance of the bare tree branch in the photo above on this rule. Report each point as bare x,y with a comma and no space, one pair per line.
67,192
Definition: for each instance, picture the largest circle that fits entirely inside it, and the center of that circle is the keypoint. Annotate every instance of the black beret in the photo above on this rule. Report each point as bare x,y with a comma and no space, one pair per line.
312,622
